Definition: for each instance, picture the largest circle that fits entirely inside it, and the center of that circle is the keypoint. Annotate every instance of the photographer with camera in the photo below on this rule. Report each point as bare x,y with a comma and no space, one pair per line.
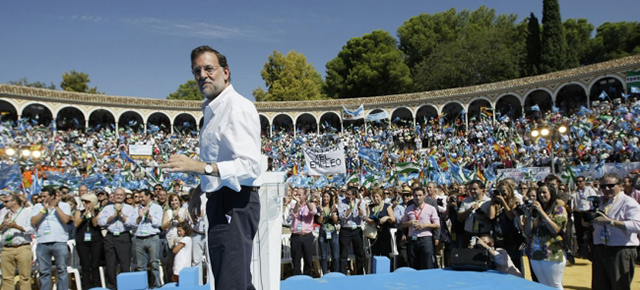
502,215
499,256
615,228
545,222
474,211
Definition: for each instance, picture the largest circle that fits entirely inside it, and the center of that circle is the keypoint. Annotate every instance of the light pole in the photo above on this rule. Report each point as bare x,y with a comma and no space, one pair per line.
553,131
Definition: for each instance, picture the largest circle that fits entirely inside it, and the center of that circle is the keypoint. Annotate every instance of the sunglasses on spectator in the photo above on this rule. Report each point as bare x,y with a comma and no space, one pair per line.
85,201
611,185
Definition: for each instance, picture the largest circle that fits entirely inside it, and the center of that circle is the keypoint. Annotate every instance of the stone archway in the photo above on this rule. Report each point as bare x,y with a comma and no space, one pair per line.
185,124
330,121
282,123
37,114
611,86
70,118
510,106
130,120
101,119
306,124
571,98
8,112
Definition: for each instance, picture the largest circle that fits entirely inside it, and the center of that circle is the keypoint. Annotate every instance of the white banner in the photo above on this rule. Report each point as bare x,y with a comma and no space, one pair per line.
138,151
324,161
524,173
353,115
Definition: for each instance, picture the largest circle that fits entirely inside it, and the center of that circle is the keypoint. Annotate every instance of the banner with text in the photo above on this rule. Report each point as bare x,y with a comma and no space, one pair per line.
324,161
356,114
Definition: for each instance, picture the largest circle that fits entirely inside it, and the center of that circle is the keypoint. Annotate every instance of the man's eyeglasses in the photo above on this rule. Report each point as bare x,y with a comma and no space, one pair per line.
197,71
611,185
580,181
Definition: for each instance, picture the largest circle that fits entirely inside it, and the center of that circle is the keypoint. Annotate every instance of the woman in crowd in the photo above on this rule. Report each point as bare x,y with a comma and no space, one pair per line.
544,225
502,215
380,215
172,216
89,240
328,237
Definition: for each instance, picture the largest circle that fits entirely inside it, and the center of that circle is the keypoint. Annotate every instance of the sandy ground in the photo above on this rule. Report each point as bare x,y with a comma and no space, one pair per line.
578,276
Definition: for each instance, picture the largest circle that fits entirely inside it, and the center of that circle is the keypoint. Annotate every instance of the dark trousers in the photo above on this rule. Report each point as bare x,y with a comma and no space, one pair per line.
580,233
302,247
354,238
90,254
612,267
233,222
117,250
403,258
420,253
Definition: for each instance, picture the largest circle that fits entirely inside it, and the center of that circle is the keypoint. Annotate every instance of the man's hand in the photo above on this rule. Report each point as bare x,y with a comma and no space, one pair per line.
602,219
182,163
140,212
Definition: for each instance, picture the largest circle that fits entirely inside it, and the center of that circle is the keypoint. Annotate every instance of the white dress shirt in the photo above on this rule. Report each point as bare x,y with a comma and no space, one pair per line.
15,237
230,137
580,198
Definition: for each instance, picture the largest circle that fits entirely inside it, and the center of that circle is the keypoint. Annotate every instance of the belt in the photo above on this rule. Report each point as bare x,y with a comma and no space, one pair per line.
121,233
242,188
15,246
146,237
299,234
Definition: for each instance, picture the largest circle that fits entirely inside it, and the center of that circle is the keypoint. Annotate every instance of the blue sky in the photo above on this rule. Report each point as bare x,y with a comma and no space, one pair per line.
141,47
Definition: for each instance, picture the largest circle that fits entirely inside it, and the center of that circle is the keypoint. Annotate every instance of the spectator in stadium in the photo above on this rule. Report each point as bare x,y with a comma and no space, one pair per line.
50,219
544,226
420,219
380,215
16,232
628,187
328,237
118,220
148,219
171,217
581,205
502,216
499,256
182,250
197,208
351,212
474,211
615,236
302,214
89,241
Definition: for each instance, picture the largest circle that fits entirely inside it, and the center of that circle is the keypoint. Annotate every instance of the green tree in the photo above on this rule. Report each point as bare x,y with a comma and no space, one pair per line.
614,40
420,35
187,91
25,83
370,65
289,78
77,82
478,47
533,45
553,54
578,33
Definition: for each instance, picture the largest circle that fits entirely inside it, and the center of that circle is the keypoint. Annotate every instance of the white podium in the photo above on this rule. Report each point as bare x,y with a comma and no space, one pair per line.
265,258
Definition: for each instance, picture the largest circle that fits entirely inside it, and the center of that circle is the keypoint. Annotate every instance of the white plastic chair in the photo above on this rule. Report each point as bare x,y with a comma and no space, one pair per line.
71,268
286,252
394,247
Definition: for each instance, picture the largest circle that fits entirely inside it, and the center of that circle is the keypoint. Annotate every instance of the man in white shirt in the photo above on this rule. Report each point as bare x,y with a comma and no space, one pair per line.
16,233
229,170
581,204
50,219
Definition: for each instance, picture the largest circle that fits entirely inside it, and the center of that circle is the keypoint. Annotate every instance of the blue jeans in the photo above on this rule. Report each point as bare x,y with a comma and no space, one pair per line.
59,251
148,251
324,251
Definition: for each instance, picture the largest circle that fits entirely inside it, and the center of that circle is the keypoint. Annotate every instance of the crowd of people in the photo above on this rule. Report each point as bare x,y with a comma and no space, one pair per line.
509,219
121,231
96,194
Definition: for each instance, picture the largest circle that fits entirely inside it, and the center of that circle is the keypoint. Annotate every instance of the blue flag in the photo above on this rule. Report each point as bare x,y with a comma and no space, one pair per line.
535,108
603,95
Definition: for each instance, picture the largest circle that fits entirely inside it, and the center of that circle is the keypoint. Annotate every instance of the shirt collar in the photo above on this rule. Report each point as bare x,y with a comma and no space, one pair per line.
218,99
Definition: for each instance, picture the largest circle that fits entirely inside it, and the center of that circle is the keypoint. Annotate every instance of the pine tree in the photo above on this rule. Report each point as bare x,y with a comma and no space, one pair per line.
554,44
533,46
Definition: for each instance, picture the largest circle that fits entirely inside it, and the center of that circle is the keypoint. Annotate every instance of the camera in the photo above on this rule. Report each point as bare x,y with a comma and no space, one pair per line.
591,214
520,209
439,202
